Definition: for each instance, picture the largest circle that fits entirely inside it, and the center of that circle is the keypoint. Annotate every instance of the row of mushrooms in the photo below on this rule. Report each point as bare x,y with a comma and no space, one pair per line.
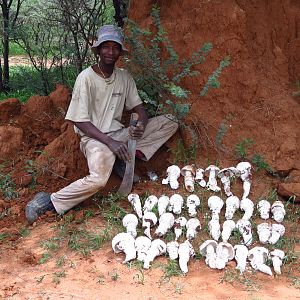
145,248
192,174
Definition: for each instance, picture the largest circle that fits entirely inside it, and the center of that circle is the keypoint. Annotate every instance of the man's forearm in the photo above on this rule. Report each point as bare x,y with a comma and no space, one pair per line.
93,132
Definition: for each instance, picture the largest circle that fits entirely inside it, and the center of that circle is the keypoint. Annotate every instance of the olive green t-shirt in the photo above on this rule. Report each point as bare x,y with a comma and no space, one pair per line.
101,103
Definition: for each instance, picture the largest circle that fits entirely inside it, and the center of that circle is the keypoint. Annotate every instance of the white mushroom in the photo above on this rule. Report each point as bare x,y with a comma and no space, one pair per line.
192,202
264,207
245,228
176,203
277,231
150,202
258,257
166,222
163,203
142,245
212,179
214,229
192,226
135,201
244,172
228,227
149,220
200,177
188,172
172,249
277,256
185,252
225,253
124,242
226,175
264,232
173,173
215,204
158,247
232,204
130,222
241,254
248,207
208,250
278,211
178,226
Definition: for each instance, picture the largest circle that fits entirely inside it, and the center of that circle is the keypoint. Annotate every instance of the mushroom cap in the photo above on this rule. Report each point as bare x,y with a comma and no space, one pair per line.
277,204
130,218
132,197
149,215
203,247
246,203
199,173
167,217
240,248
193,223
278,228
264,203
229,223
227,246
231,170
173,169
211,168
160,245
123,236
215,201
242,166
141,242
188,168
176,198
181,221
241,224
258,250
163,199
277,252
233,200
194,199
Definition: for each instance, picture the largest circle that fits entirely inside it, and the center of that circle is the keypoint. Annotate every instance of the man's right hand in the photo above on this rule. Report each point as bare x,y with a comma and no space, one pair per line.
120,149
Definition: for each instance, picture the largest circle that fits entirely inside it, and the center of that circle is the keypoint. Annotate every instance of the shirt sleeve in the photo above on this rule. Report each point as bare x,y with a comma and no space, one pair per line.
79,105
132,98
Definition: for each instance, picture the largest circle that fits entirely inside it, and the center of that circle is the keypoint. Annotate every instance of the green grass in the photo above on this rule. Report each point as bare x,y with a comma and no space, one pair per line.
15,49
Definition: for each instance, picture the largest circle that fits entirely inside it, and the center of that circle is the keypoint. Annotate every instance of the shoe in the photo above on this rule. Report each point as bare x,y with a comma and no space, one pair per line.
38,206
119,169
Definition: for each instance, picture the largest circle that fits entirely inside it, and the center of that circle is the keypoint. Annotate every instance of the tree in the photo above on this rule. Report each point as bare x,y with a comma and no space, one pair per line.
9,19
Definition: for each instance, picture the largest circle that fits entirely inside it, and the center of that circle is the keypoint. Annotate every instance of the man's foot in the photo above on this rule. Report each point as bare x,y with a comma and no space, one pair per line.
38,206
119,169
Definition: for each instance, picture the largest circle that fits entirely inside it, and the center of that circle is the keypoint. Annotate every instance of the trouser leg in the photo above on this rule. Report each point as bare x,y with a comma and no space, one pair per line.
158,131
100,162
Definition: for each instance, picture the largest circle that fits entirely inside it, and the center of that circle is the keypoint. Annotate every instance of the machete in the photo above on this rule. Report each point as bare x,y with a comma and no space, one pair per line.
126,185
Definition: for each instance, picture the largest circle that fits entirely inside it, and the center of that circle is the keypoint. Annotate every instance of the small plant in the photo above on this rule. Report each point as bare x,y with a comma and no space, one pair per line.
114,275
171,269
220,135
139,277
30,169
8,186
260,163
295,282
39,279
101,278
242,148
61,261
178,288
50,244
3,236
24,231
57,276
45,257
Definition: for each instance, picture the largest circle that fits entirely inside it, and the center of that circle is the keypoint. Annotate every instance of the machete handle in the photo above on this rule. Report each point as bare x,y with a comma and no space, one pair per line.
134,119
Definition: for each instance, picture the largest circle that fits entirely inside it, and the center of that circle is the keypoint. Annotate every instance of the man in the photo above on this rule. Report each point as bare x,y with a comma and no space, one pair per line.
99,96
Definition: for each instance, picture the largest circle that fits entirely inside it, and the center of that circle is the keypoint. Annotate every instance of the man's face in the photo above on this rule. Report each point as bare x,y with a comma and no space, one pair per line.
109,52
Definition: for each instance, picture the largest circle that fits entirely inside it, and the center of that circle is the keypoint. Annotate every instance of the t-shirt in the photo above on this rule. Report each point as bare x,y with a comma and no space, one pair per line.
102,104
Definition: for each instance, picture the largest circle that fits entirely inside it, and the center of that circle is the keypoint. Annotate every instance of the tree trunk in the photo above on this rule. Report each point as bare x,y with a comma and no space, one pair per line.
5,41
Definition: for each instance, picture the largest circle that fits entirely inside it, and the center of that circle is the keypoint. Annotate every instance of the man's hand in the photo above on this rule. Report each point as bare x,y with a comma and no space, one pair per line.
137,131
120,149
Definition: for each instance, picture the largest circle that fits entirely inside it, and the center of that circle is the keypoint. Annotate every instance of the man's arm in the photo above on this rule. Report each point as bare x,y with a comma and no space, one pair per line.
119,148
137,131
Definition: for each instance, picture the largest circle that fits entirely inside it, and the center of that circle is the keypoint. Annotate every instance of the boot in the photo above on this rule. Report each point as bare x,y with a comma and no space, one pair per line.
119,169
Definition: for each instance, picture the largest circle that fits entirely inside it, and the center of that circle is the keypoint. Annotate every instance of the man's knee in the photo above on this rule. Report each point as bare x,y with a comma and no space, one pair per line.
96,182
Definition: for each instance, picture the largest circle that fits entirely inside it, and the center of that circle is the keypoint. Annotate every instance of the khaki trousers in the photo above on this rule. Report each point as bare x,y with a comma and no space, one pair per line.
101,159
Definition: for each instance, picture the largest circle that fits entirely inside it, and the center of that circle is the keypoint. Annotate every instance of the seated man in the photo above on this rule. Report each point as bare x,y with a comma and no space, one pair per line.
99,96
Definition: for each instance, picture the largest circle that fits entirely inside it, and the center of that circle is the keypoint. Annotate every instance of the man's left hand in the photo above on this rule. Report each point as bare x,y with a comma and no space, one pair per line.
137,131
